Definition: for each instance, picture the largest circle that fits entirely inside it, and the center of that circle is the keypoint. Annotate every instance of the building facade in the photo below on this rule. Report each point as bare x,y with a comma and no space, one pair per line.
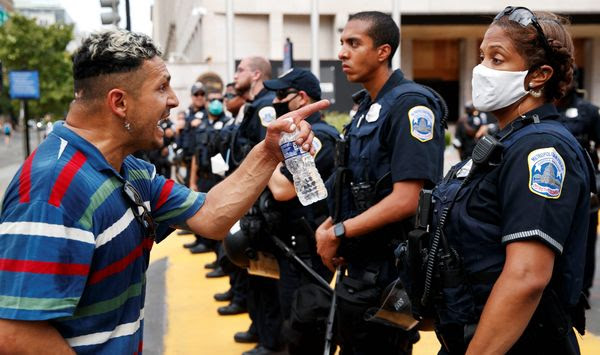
440,39
45,12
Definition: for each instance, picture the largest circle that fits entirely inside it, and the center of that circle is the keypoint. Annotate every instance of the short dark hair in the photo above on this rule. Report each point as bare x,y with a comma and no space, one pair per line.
110,52
382,29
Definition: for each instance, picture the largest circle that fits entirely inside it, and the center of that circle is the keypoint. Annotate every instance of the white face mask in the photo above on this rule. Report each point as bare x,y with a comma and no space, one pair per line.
495,89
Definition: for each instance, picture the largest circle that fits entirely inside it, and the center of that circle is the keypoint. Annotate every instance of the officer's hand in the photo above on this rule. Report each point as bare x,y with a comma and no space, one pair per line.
327,243
288,123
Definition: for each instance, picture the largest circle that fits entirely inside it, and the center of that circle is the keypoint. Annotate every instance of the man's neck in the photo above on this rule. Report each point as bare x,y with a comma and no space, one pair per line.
111,140
377,80
255,89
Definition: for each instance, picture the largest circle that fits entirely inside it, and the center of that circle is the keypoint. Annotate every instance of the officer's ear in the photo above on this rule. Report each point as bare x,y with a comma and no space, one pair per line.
304,98
384,52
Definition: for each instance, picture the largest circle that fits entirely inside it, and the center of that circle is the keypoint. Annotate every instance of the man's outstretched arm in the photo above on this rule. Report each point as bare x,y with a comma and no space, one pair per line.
31,337
228,201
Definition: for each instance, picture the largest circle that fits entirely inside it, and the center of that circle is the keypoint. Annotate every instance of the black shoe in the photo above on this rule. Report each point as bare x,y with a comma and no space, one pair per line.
231,309
261,350
191,244
199,249
224,296
245,337
211,266
218,272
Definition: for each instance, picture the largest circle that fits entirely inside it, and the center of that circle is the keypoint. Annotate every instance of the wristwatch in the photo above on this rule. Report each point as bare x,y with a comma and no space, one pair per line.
339,230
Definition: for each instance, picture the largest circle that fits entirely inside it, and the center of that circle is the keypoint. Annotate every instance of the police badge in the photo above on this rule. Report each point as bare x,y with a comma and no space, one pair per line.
267,115
546,172
421,120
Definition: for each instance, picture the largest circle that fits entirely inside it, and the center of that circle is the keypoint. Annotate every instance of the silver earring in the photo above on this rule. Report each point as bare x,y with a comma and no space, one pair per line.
535,93
127,126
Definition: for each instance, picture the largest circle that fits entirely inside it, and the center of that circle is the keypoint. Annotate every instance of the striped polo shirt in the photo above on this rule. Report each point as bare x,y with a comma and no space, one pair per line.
72,251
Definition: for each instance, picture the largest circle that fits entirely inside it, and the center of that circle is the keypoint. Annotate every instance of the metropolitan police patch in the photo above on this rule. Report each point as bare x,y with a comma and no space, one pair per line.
317,145
421,120
546,172
267,115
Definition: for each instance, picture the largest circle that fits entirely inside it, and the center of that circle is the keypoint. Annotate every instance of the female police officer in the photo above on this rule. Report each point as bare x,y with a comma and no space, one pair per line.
512,243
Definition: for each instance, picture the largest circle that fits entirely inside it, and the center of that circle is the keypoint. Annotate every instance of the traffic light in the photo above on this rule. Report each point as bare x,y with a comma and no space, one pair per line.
112,17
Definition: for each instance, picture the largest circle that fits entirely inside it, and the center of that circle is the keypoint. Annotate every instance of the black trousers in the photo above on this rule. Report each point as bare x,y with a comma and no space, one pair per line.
264,310
590,254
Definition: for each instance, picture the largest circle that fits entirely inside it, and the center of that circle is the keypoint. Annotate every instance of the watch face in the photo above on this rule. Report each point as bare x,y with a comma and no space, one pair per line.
339,230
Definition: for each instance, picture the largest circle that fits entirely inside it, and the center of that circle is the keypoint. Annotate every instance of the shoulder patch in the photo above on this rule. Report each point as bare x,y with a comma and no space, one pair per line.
373,113
546,172
421,120
317,145
266,115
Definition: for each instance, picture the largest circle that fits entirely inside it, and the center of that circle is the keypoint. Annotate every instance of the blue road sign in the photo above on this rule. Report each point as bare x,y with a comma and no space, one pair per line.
24,84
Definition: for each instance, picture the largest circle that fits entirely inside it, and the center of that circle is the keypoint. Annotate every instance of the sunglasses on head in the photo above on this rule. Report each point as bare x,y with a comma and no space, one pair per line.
283,93
136,203
525,17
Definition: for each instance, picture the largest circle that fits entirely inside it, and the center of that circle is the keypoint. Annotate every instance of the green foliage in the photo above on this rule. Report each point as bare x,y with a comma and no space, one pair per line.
25,45
337,119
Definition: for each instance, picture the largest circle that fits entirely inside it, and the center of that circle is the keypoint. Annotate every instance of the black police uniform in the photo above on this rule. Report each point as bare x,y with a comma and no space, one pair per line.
188,136
158,157
257,116
305,333
396,137
205,147
263,296
474,122
582,119
532,191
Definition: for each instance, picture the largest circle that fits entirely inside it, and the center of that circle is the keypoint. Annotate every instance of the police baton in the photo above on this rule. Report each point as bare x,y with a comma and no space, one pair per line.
299,262
339,271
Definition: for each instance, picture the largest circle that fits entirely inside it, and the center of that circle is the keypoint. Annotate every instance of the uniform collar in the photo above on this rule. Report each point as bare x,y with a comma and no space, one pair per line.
314,118
93,155
260,94
545,112
393,81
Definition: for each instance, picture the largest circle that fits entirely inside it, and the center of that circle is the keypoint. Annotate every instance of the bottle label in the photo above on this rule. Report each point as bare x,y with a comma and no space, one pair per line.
290,150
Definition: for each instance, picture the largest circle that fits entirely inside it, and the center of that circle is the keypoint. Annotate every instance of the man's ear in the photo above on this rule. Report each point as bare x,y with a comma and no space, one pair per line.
539,77
384,52
117,102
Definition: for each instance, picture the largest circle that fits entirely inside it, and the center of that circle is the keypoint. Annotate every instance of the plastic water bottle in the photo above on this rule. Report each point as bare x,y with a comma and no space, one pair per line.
307,180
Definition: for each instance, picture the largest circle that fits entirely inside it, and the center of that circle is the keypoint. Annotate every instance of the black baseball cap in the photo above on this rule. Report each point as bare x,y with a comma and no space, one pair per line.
299,79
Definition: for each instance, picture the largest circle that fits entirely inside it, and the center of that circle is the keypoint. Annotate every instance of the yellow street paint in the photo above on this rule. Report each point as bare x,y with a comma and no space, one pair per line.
194,326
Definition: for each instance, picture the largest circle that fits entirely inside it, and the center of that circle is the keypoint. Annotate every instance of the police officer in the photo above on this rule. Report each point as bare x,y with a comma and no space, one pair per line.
201,177
263,298
466,129
582,119
396,143
511,241
193,116
294,89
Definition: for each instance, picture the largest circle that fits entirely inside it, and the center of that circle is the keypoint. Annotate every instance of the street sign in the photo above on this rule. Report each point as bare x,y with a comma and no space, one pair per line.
24,84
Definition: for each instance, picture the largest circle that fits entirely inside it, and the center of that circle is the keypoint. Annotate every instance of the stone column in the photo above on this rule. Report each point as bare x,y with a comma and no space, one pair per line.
592,70
468,60
407,57
276,35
